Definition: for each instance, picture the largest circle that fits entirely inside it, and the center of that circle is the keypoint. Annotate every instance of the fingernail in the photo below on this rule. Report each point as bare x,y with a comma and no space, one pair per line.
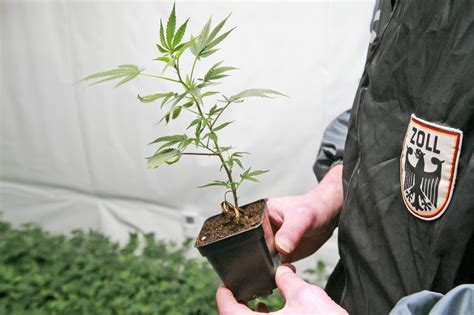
285,245
292,267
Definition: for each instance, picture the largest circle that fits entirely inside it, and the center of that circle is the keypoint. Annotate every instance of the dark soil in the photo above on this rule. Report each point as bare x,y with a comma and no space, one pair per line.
222,226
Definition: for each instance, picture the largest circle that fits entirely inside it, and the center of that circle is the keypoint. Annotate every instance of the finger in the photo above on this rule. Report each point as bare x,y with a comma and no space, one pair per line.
295,224
227,304
288,282
291,266
262,308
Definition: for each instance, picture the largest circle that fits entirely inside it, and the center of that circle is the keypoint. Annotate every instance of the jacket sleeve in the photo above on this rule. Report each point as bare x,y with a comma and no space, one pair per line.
331,151
459,300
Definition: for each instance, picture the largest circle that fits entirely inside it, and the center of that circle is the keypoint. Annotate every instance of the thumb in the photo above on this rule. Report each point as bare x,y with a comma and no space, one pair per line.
289,283
294,225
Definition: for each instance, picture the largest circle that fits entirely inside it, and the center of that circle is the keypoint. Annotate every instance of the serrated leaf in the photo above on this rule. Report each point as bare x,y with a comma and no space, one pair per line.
188,104
213,136
154,97
182,47
217,41
239,163
194,123
207,53
162,157
202,38
252,179
255,93
209,93
130,67
217,29
215,72
165,59
176,112
224,149
124,72
257,173
125,80
176,138
162,37
185,143
223,125
198,130
179,34
213,110
214,183
196,93
170,27
161,49
166,99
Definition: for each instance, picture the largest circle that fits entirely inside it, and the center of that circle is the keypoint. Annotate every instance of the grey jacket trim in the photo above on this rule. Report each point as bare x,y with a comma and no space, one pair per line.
459,300
331,151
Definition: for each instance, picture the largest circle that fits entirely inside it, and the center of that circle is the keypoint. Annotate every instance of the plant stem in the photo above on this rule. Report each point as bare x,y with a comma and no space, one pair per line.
159,77
219,115
192,69
196,153
218,150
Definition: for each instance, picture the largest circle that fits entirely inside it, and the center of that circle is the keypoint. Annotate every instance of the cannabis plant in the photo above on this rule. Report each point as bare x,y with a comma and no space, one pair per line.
191,95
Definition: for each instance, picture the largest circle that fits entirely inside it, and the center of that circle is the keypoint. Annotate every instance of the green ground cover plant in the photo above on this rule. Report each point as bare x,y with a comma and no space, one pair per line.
86,273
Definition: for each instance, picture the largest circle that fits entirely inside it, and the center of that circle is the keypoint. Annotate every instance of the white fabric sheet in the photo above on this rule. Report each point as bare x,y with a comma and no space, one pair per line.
74,156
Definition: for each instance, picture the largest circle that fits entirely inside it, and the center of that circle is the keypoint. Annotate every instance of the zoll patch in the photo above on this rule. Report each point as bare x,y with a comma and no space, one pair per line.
428,167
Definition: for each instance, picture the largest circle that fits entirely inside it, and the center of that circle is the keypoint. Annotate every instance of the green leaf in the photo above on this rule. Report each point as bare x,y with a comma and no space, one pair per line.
217,40
162,157
161,49
215,183
194,122
176,112
207,53
257,173
239,163
202,39
215,72
173,138
166,99
170,27
198,131
154,97
223,125
255,93
196,93
213,136
185,143
209,93
162,37
125,72
165,59
180,33
217,29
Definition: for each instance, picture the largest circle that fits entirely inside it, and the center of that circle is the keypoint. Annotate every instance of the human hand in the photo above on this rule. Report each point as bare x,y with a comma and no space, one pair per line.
303,223
301,298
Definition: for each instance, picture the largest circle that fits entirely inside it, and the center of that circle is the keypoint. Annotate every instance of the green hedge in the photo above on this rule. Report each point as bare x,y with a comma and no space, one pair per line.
86,273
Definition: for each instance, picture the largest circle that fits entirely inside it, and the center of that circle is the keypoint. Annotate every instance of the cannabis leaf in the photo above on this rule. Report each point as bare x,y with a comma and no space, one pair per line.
164,156
254,93
124,72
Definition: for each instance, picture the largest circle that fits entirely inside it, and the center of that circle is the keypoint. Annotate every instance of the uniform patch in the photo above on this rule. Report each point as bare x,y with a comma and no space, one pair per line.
428,167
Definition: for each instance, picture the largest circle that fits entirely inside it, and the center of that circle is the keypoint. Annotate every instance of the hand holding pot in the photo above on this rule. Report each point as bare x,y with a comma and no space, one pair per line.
301,298
305,222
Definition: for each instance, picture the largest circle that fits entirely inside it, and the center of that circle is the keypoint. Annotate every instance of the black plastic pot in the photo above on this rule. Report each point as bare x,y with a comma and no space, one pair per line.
246,261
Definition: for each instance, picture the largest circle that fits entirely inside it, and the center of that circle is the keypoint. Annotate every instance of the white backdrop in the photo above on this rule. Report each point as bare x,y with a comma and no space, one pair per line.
73,156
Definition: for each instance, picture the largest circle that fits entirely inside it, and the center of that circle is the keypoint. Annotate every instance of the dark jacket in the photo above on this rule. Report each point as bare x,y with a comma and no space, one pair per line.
422,64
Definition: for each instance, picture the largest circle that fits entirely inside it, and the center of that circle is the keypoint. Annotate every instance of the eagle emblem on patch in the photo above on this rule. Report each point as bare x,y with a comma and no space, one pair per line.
428,167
